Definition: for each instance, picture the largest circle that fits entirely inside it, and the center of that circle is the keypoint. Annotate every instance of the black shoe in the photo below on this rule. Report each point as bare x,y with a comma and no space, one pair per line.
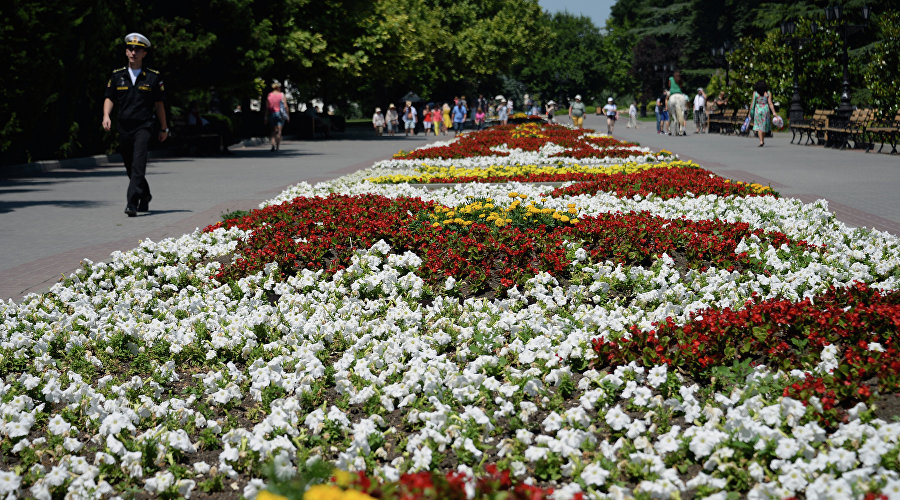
273,149
130,211
144,204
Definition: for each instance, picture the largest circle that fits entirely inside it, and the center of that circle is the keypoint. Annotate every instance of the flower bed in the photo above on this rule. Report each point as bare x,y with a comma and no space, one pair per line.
530,143
647,332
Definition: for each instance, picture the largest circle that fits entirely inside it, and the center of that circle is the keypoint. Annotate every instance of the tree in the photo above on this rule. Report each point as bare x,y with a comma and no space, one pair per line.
569,63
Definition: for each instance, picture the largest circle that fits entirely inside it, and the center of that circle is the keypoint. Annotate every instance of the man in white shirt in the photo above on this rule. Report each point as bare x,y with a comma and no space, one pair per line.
700,111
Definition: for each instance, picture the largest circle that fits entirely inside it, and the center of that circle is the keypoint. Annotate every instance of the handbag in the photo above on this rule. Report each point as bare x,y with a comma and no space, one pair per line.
746,125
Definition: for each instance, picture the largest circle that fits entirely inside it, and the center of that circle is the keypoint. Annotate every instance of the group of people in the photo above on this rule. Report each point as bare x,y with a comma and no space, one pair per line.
762,109
441,118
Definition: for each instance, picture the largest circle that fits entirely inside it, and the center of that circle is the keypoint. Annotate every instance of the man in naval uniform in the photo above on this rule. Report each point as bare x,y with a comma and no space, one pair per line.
140,95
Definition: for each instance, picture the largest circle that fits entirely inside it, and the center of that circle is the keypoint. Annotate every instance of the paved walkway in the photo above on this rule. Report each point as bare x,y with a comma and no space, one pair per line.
862,189
50,221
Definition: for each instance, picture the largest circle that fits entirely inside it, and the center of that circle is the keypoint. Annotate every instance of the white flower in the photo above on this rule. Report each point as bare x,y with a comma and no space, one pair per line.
786,448
875,347
594,475
617,419
253,488
657,375
160,482
535,453
705,441
284,468
57,425
9,482
114,423
792,477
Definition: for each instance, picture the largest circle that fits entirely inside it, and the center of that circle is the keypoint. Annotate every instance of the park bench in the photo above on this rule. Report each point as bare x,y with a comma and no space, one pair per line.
883,131
842,131
721,122
192,139
818,134
808,126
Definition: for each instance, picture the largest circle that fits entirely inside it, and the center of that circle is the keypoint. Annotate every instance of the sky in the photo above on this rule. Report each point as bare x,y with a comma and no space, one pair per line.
597,10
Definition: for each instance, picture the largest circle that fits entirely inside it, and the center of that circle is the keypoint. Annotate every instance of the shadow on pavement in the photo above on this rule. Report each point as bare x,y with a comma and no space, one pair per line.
163,212
9,206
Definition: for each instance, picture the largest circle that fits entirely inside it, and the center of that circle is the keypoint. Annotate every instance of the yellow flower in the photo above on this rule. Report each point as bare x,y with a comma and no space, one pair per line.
500,223
323,492
513,194
267,495
574,221
436,224
343,478
572,210
564,218
523,196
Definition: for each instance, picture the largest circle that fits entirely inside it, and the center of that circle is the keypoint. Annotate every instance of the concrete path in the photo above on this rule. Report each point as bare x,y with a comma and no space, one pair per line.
50,221
862,189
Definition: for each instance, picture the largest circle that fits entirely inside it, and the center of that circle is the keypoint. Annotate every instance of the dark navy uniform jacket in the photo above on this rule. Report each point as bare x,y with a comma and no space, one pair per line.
135,102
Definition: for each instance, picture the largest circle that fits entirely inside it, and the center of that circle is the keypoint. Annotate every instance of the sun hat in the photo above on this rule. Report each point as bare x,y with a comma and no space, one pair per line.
609,100
500,98
391,106
378,110
577,97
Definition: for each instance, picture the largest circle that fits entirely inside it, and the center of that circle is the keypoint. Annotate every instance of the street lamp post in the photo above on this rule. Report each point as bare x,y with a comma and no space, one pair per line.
662,71
833,14
720,55
795,114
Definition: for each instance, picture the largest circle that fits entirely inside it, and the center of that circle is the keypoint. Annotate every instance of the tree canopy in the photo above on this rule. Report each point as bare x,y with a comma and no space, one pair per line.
57,56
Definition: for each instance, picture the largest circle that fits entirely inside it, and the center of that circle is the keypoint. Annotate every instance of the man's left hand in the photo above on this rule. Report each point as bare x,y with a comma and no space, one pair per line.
163,135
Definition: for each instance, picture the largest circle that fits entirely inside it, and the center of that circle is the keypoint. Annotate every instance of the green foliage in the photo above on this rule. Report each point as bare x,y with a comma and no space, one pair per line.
882,73
771,59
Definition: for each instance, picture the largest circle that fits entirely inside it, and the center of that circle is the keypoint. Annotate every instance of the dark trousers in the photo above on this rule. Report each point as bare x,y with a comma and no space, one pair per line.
133,146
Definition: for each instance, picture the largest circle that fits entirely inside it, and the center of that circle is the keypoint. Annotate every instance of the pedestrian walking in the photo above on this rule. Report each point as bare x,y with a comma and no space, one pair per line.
576,112
632,115
761,111
276,114
426,119
479,118
378,121
664,113
459,116
551,111
612,114
139,94
658,111
437,119
448,121
392,119
410,117
700,111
